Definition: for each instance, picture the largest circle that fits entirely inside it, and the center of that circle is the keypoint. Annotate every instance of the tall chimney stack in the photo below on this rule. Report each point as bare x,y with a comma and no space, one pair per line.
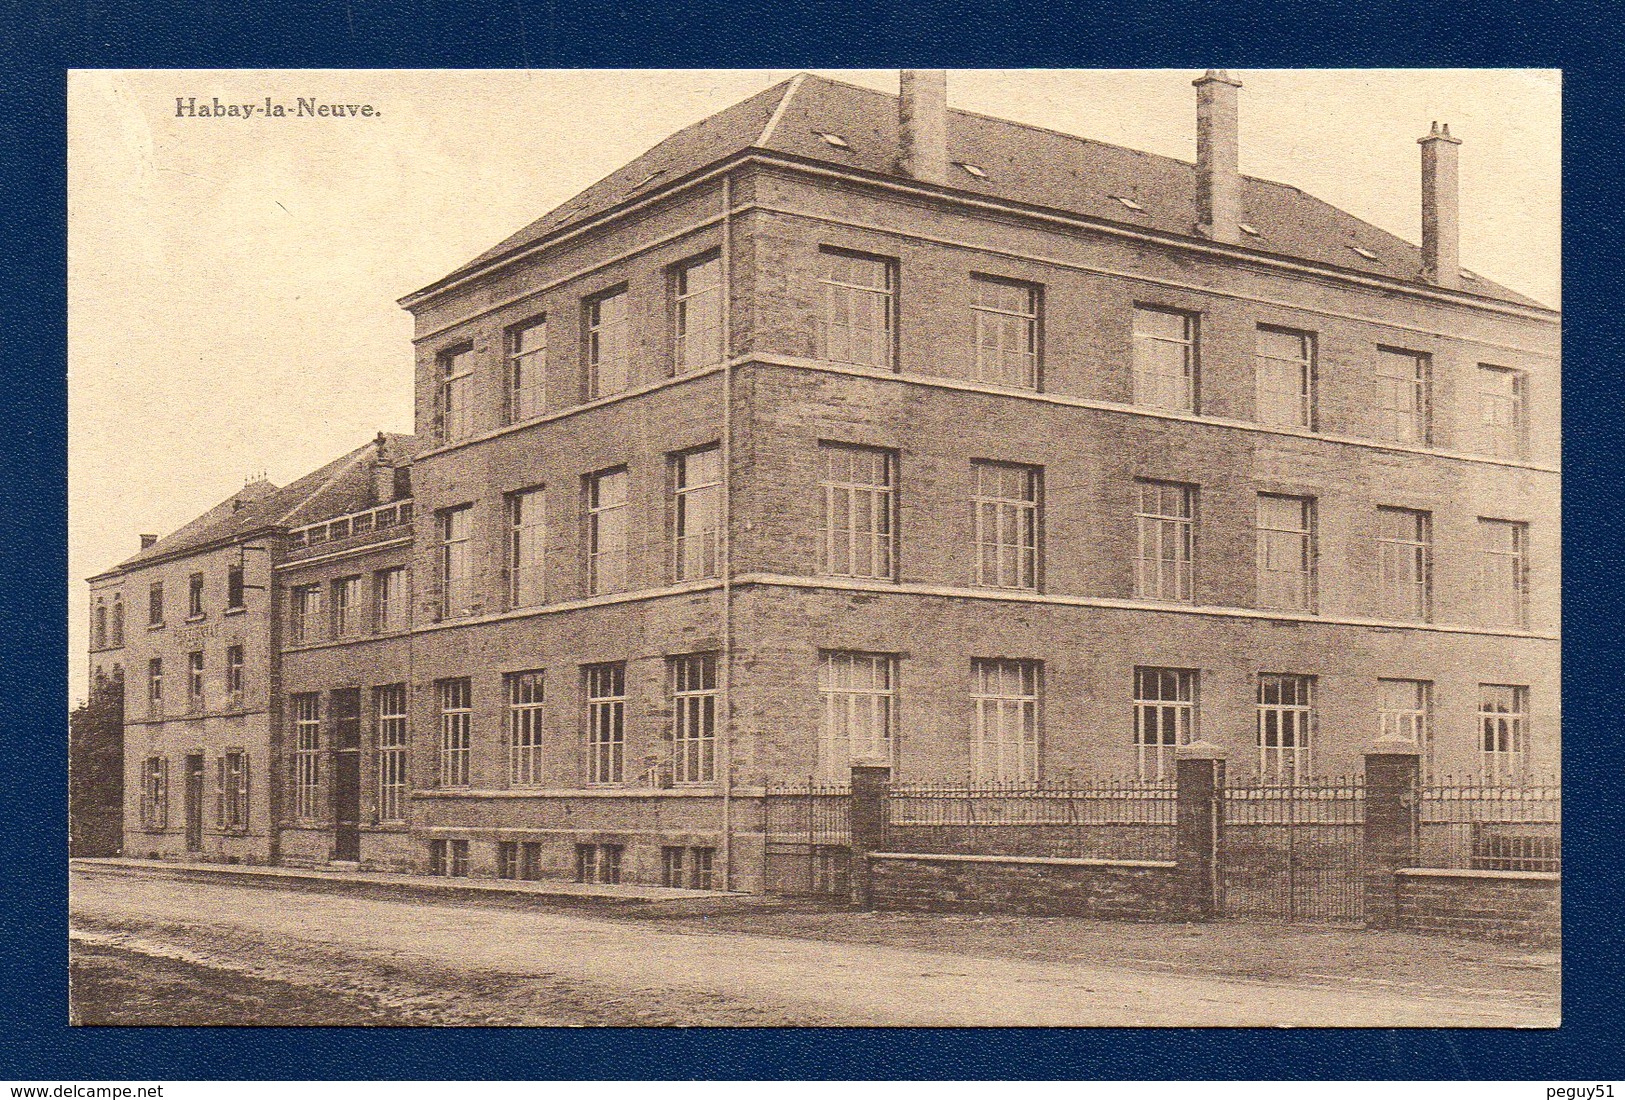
383,474
922,124
1218,157
1441,208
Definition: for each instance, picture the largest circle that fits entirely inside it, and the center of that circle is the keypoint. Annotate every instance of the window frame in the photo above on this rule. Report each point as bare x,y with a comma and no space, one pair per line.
1162,724
194,596
1391,412
832,289
231,791
842,706
1163,526
989,754
526,728
387,607
155,605
455,696
595,329
454,392
155,688
1304,398
454,560
344,614
1304,720
1499,607
305,624
1416,551
390,744
604,693
1027,525
706,497
598,519
194,682
1030,321
1408,720
525,544
696,698
1142,394
1511,440
526,400
236,588
681,297
1503,724
883,505
1307,551
234,677
307,767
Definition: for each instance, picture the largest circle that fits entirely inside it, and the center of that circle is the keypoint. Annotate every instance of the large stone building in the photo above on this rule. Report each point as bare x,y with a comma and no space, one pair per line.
844,425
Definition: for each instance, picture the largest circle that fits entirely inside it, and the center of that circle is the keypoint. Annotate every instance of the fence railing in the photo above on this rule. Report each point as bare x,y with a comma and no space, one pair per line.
356,523
1329,800
1473,825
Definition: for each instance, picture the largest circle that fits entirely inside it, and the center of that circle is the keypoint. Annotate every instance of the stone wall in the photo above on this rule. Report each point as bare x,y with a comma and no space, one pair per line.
1032,886
1516,906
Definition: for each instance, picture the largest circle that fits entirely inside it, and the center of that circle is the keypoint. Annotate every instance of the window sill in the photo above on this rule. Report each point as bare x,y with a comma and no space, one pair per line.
155,626
196,618
236,610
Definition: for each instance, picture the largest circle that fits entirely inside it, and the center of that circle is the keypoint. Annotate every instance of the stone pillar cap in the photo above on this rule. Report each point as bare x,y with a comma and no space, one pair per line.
1202,750
1389,745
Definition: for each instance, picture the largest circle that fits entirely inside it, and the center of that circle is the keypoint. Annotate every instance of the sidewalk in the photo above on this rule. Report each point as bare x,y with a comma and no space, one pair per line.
552,892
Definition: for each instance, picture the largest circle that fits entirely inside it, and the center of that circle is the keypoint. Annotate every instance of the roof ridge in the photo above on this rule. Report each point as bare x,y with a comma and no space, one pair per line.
793,85
354,457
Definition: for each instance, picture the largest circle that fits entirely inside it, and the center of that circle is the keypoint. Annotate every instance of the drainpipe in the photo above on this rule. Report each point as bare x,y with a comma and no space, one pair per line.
725,522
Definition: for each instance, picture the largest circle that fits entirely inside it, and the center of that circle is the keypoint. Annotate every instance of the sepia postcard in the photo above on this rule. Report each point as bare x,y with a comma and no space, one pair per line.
837,548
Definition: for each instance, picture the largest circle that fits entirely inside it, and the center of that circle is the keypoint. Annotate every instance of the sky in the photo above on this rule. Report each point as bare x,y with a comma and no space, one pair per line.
232,283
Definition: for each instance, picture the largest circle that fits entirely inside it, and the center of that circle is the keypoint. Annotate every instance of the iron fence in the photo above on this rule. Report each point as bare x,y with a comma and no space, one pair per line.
1295,851
1476,825
807,838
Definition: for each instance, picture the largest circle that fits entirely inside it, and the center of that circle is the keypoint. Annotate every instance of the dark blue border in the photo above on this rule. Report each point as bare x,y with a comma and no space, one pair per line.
45,39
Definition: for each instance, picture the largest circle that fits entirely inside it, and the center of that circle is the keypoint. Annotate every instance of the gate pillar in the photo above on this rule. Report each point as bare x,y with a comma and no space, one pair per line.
1392,787
1199,828
870,815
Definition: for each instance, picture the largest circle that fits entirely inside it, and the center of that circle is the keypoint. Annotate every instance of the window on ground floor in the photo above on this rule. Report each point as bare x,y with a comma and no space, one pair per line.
449,858
599,863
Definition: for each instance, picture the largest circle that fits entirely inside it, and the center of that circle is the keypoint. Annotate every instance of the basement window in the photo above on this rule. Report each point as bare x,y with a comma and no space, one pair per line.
1366,252
973,169
833,139
1250,230
1130,203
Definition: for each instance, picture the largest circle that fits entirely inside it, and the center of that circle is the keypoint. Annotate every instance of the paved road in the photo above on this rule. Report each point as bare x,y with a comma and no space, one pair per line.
348,941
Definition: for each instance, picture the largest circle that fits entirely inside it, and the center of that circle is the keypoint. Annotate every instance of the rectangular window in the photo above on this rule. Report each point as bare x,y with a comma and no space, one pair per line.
1005,696
1405,712
687,868
231,790
1164,718
525,697
1404,396
118,620
1286,718
1166,526
672,861
346,607
1286,552
698,488
456,566
1503,573
1007,524
155,688
1503,717
599,863
234,677
1006,316
456,369
519,859
527,370
856,322
527,548
449,858
99,625
1164,359
608,517
507,859
194,681
1405,563
1502,414
456,718
608,358
305,624
389,715
694,719
307,759
234,587
389,599
606,722
194,596
1286,378
857,537
155,794
155,604
698,289
859,696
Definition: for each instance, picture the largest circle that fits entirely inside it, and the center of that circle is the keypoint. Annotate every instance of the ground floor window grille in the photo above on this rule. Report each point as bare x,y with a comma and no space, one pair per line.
456,717
231,790
389,704
1285,723
155,794
1503,715
448,858
519,859
1005,694
307,721
694,729
599,863
688,868
1164,716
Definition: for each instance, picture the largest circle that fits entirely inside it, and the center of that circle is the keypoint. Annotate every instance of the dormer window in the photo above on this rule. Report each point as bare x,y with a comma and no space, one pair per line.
1129,203
1250,230
836,140
973,169
1365,252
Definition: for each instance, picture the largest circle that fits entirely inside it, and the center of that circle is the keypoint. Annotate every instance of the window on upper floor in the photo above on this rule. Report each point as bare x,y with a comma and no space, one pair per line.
455,560
697,513
389,599
155,604
1404,396
697,289
608,518
527,548
1005,701
608,344
857,315
194,681
305,618
1165,522
155,688
1286,552
1006,317
234,587
1285,369
1405,563
527,370
118,620
346,607
456,393
1007,521
194,596
234,677
858,536
1165,359
1503,573
1503,426
99,627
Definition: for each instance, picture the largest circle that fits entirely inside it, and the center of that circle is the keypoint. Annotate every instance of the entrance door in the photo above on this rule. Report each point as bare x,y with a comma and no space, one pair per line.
347,774
194,802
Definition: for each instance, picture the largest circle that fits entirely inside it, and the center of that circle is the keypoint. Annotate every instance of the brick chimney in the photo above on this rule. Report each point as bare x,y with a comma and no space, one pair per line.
1441,208
922,124
148,540
1218,153
383,474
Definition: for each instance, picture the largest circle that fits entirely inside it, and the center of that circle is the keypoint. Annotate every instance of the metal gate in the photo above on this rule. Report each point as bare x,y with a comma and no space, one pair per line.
807,839
1295,852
